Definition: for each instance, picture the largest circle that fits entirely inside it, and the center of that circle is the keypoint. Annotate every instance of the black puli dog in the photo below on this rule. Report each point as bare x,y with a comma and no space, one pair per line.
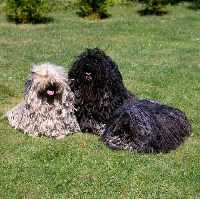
98,88
146,126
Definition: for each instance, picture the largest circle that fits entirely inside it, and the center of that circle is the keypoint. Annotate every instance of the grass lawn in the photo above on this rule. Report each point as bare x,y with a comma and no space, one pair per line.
159,58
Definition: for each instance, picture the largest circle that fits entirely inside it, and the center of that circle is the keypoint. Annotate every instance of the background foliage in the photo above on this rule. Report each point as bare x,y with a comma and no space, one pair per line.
158,58
94,9
35,11
27,11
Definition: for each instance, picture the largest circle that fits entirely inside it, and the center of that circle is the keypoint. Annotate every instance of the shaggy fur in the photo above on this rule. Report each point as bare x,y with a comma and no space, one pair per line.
47,108
98,89
146,126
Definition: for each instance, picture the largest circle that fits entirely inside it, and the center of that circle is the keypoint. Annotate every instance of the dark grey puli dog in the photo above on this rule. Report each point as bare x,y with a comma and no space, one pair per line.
146,126
98,88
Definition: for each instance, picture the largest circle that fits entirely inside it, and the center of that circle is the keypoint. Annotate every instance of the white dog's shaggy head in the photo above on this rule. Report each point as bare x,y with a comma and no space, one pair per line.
47,108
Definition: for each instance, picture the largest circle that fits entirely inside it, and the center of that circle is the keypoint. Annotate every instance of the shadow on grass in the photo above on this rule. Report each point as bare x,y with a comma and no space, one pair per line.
94,16
16,20
194,7
147,11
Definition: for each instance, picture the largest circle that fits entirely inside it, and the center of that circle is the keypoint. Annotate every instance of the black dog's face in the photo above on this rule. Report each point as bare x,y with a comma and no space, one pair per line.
88,76
92,71
88,72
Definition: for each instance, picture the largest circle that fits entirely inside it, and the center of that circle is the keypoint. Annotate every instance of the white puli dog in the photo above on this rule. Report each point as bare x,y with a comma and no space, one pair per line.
48,105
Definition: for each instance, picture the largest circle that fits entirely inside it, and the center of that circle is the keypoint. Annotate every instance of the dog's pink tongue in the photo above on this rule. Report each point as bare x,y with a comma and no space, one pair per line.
50,92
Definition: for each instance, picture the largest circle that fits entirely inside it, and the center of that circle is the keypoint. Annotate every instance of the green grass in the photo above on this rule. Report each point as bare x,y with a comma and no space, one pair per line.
158,58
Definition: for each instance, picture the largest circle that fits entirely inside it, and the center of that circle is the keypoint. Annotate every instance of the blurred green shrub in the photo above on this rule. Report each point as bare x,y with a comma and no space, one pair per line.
27,11
94,9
